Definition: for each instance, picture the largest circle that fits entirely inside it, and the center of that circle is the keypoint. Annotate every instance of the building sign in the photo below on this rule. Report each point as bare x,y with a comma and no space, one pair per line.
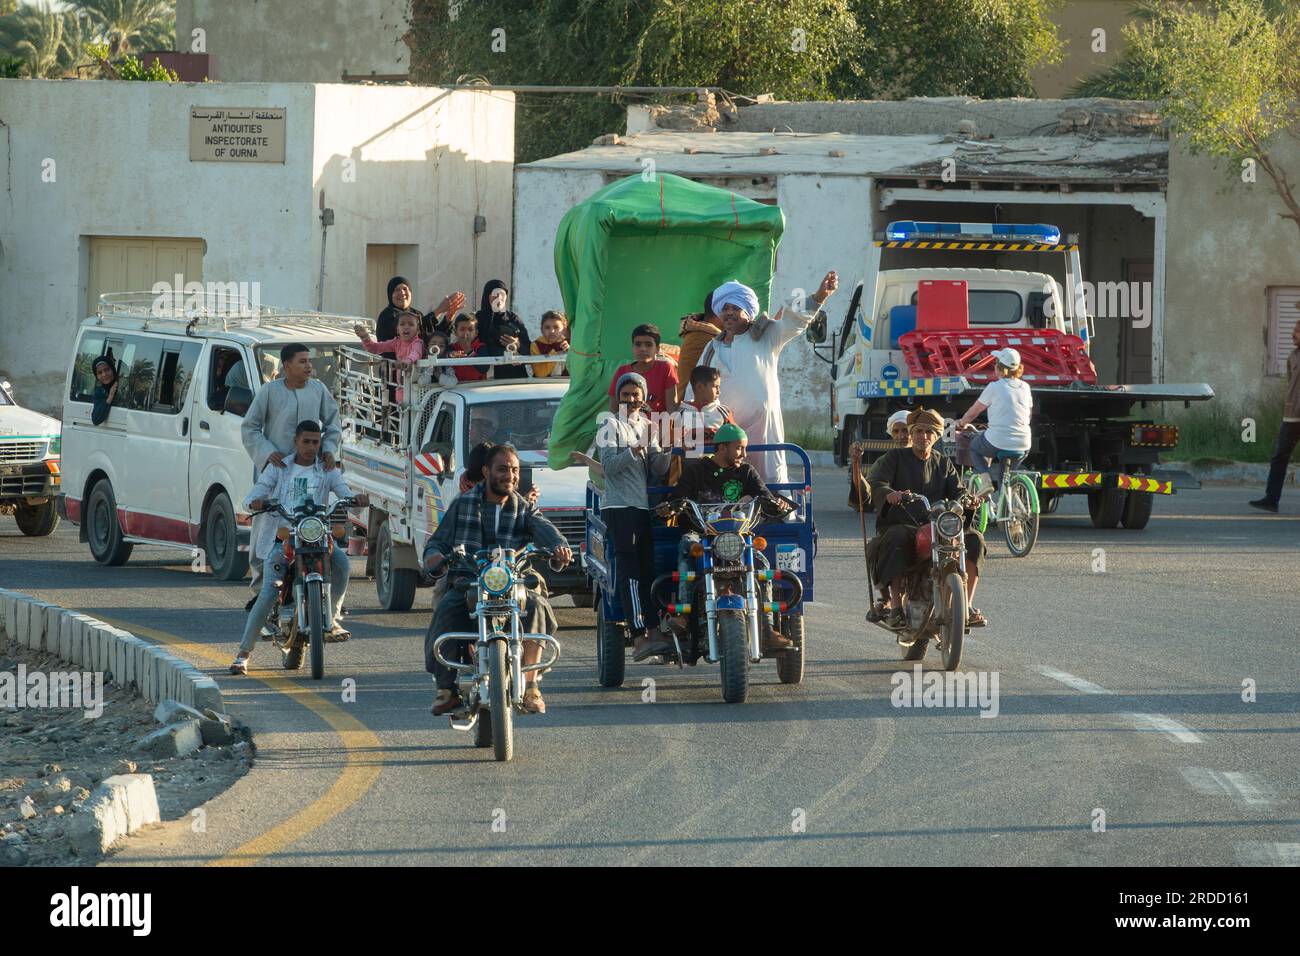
237,134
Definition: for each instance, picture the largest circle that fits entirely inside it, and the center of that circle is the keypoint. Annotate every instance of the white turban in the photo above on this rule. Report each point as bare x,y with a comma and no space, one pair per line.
737,294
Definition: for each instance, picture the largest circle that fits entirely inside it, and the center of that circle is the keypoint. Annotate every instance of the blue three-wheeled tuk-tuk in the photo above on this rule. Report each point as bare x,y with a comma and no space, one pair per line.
744,567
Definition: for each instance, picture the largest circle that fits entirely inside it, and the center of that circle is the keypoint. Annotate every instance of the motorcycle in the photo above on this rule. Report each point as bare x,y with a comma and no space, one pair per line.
724,617
500,579
314,532
934,589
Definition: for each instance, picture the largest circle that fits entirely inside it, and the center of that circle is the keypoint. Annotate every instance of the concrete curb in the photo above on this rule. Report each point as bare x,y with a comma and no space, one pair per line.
125,660
1240,472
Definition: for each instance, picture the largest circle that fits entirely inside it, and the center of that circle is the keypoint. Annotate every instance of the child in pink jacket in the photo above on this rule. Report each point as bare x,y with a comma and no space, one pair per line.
408,345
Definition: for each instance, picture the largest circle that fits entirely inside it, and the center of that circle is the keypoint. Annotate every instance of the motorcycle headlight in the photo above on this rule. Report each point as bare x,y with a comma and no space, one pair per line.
311,530
497,579
728,546
949,524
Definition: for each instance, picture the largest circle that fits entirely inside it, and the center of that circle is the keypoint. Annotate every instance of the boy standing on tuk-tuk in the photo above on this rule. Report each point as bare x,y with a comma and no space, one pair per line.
724,477
629,453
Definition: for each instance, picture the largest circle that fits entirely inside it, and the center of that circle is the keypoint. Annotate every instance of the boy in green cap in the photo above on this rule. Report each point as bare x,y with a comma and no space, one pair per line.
723,477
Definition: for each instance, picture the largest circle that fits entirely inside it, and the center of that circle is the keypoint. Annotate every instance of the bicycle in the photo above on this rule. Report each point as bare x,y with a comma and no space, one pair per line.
1015,506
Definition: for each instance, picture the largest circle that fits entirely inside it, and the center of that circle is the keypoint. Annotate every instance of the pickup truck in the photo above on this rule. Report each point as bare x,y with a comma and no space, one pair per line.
29,466
924,336
406,436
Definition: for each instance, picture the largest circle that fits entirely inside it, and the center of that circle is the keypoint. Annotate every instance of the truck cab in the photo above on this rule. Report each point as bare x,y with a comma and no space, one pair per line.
927,336
30,445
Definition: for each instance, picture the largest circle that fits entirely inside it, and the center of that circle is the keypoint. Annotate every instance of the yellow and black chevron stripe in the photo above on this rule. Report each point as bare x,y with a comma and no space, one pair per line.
1097,479
1143,483
973,246
1084,479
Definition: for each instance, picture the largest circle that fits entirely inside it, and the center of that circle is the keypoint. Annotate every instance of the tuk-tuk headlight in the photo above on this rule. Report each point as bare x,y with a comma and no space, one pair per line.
497,579
311,530
949,524
728,547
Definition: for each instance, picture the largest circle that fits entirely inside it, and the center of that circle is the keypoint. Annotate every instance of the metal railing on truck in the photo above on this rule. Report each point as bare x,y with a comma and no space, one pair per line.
389,404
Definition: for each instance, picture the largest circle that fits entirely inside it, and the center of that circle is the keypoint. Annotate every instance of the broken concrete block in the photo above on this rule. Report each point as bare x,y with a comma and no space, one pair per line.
169,711
119,806
174,740
217,730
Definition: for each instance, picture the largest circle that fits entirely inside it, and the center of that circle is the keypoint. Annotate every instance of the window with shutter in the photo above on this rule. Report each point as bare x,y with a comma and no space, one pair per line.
1283,314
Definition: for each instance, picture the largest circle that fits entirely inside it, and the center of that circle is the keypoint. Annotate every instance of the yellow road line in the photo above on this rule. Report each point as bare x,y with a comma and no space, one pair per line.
360,744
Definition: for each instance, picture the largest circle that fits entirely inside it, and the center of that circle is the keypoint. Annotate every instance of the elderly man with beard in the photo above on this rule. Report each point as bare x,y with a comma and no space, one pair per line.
492,514
923,471
746,354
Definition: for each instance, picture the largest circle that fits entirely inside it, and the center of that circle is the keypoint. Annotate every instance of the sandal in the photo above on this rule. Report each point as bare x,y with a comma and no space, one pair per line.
336,635
533,703
976,618
240,665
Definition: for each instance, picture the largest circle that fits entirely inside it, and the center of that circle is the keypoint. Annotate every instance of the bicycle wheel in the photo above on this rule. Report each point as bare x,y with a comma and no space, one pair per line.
1021,526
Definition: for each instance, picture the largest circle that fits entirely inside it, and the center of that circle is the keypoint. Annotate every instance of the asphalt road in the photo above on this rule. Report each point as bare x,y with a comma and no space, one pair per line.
1120,692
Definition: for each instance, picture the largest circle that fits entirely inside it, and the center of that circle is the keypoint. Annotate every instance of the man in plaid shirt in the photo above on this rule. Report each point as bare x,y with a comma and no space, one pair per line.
492,514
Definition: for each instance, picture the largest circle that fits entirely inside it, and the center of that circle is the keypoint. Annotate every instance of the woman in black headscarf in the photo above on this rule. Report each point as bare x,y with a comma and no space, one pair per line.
399,301
500,330
105,395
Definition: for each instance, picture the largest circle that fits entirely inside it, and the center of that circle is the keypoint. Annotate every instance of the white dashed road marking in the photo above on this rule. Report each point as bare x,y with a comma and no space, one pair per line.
1240,786
1268,854
1069,680
1166,726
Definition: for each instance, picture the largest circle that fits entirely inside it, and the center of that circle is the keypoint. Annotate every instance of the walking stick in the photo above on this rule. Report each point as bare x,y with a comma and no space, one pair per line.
862,521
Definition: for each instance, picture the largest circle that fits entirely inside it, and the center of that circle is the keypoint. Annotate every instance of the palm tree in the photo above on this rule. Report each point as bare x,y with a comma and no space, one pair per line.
43,42
78,34
131,25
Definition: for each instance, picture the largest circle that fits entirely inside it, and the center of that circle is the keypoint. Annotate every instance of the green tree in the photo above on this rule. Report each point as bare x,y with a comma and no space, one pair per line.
793,49
790,49
984,48
12,66
131,25
1230,79
41,42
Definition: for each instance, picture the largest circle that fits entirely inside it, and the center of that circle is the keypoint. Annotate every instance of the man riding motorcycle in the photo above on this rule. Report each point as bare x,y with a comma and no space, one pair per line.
917,468
290,483
724,476
492,514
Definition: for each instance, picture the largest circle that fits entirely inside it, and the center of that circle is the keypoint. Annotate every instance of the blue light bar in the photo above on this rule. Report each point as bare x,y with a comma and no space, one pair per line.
907,230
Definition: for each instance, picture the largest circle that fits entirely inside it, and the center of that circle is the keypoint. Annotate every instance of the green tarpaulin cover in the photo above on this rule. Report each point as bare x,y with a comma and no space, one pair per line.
646,251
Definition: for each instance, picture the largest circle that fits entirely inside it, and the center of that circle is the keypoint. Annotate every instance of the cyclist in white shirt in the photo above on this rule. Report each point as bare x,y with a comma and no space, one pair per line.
1009,404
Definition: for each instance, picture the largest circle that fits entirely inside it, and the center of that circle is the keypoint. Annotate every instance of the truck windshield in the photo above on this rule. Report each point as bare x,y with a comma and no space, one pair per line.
524,424
324,361
992,306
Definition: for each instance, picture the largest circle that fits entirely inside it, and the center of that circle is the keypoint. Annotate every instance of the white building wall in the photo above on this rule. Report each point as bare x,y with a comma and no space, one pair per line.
119,155
542,197
303,41
414,166
827,226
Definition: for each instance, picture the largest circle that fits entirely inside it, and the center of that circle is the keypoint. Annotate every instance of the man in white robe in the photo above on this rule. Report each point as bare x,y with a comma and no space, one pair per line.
746,356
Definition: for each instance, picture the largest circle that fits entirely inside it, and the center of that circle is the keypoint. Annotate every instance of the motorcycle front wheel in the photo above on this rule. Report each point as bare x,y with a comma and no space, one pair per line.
733,645
502,716
316,628
952,632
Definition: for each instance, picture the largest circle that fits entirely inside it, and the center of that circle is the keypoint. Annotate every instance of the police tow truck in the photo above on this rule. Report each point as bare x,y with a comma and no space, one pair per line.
406,437
925,336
